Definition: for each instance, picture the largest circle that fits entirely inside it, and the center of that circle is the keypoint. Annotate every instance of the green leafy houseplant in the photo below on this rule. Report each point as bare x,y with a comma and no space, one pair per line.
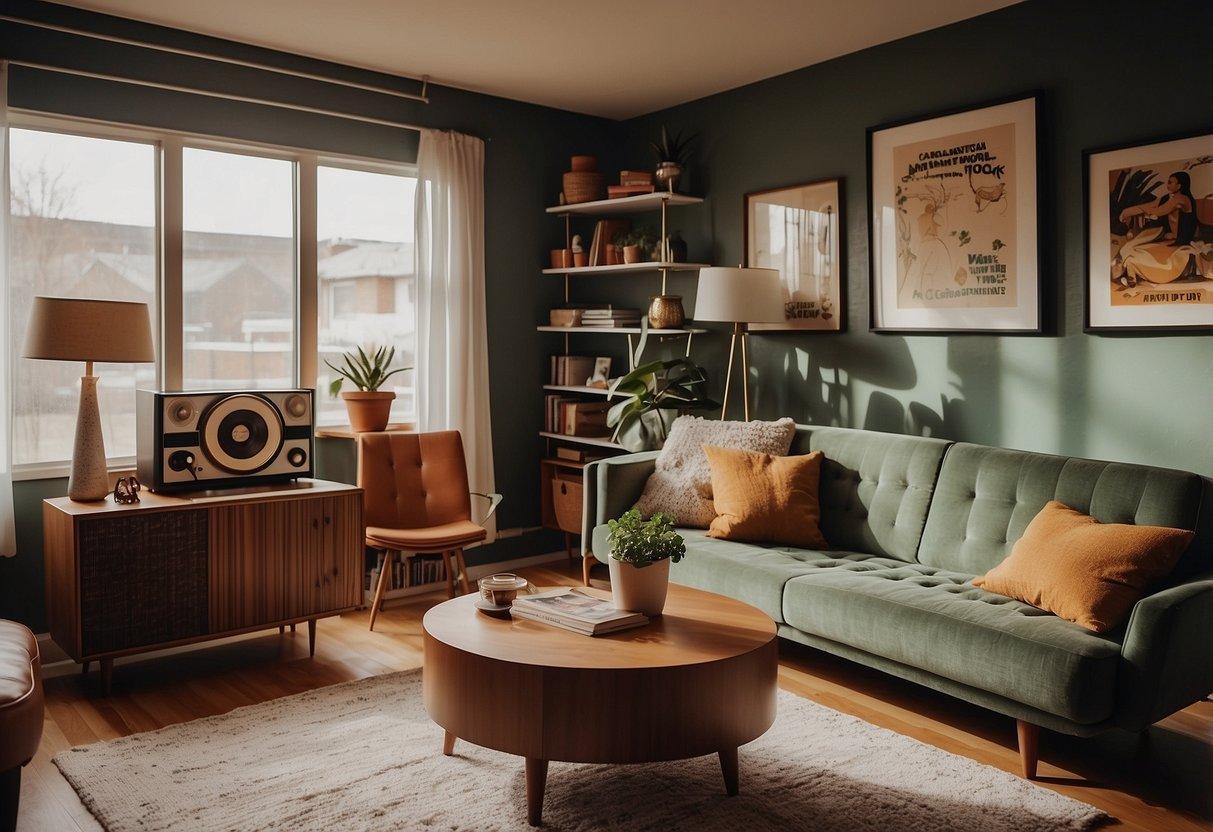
643,542
672,148
365,371
653,394
643,238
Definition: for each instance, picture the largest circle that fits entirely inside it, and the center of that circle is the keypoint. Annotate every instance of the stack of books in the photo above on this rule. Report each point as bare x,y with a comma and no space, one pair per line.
631,182
610,316
576,610
571,370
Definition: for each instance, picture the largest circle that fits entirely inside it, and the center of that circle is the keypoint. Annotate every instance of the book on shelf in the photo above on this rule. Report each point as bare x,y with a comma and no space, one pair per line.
579,418
578,454
575,610
635,177
611,323
595,313
617,191
572,370
605,232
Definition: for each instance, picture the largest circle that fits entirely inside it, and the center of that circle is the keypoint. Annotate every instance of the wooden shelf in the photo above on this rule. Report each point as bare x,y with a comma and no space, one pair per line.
630,268
596,441
626,204
622,330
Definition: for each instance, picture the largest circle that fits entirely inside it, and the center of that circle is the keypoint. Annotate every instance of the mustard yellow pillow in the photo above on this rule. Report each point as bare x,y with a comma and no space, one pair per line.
764,498
1084,571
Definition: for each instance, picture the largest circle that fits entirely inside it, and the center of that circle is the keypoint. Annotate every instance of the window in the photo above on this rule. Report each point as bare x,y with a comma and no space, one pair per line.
238,277
85,203
83,225
364,275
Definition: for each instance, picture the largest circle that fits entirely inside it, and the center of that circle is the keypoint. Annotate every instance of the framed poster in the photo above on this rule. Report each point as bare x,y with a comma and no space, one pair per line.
1150,236
796,231
953,236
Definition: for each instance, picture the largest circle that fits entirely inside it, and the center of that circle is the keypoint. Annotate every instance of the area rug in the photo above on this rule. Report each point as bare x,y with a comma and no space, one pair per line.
364,756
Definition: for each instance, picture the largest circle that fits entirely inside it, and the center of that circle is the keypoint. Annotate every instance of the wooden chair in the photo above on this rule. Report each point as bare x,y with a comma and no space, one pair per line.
417,501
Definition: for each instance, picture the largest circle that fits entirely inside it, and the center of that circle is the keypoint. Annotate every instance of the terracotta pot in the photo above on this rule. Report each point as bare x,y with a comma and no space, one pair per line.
581,258
562,258
369,410
640,588
631,254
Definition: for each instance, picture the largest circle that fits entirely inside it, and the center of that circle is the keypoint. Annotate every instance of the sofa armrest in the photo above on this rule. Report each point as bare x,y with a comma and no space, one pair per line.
1167,655
612,486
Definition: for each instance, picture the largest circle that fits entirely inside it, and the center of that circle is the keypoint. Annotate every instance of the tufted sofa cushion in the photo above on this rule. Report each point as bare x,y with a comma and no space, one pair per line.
875,487
986,497
936,620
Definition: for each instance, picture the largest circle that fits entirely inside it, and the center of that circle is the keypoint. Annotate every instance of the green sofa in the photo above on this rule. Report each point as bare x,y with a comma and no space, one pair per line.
911,521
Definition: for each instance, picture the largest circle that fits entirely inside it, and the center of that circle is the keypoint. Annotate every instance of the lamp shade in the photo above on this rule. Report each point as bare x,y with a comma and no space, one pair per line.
739,295
85,329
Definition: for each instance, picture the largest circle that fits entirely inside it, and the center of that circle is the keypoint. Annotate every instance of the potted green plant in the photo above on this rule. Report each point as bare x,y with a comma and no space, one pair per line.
369,407
641,554
653,394
672,152
638,245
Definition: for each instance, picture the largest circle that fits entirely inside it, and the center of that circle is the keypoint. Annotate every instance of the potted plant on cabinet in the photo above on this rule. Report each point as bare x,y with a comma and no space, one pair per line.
641,553
653,394
369,407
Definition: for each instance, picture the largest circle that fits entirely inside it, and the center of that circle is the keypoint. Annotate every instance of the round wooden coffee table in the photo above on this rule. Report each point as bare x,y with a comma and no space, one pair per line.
700,679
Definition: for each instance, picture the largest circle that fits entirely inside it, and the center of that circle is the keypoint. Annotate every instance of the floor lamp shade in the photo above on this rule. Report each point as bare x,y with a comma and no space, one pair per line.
741,297
88,330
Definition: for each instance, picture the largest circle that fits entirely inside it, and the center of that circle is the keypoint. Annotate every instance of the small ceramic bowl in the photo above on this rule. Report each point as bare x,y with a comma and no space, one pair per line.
502,588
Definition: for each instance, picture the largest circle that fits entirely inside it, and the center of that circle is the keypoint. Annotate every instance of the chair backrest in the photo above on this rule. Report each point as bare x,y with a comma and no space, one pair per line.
413,480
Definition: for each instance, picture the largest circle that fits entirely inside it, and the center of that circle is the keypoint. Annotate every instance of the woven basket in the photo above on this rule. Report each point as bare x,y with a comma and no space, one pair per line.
584,186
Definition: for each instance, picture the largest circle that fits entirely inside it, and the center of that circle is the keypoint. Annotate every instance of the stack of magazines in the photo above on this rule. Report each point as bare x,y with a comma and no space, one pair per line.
575,610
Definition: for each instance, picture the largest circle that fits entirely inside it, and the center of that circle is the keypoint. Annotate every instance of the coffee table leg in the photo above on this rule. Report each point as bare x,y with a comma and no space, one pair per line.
728,767
448,744
536,781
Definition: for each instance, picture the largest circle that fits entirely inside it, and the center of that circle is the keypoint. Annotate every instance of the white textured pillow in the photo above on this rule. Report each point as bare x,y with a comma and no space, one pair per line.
682,483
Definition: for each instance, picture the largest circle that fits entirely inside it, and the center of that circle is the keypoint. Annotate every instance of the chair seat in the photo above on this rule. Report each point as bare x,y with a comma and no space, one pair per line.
454,535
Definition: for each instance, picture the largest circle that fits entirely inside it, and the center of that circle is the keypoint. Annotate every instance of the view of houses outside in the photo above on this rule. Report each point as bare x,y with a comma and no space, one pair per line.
83,225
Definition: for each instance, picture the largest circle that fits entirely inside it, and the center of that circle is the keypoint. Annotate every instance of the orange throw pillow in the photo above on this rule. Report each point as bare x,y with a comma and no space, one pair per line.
764,498
1084,571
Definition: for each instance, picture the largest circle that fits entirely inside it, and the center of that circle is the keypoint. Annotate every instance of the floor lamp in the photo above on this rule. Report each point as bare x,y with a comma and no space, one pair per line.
741,297
79,329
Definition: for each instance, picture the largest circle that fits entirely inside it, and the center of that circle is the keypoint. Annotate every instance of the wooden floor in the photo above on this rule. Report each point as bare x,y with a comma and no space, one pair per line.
1161,781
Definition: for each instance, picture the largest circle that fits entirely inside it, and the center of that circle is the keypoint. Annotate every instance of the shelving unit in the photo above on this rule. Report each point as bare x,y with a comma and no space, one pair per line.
560,499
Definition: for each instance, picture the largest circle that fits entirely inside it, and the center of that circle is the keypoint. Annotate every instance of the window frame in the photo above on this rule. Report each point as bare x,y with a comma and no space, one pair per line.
168,311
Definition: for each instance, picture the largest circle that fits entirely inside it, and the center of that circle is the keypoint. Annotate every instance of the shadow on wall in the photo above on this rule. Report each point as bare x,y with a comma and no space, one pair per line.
929,386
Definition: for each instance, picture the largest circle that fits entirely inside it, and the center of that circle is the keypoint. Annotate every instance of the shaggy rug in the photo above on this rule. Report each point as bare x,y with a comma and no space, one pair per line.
364,756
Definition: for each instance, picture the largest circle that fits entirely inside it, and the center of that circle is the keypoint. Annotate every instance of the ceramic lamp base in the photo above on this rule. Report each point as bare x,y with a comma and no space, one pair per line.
89,480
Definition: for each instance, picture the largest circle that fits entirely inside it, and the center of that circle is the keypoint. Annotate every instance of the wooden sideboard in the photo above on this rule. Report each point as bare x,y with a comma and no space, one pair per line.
174,569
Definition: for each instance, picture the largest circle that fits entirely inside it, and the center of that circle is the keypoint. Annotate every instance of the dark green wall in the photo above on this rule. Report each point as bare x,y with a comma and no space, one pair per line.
1139,399
1146,399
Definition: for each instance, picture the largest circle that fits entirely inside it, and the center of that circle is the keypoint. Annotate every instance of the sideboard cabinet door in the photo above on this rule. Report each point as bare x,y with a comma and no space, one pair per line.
142,579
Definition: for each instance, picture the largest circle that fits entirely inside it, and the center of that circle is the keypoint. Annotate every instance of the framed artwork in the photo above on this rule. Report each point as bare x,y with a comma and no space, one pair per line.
953,237
797,230
1150,236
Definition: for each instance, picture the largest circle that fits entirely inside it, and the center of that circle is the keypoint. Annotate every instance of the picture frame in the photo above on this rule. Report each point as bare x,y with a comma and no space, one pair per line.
954,230
797,230
1149,232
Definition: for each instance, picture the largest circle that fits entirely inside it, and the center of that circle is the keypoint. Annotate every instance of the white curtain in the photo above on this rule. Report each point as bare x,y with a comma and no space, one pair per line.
8,528
452,364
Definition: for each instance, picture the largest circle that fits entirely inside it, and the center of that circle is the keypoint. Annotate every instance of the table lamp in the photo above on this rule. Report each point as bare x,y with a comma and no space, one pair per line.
742,297
88,330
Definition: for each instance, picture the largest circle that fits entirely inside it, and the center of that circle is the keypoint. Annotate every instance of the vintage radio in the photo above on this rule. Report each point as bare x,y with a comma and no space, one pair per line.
223,438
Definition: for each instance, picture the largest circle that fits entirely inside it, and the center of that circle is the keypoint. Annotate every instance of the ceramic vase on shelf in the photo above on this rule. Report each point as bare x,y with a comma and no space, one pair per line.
667,176
640,588
665,312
